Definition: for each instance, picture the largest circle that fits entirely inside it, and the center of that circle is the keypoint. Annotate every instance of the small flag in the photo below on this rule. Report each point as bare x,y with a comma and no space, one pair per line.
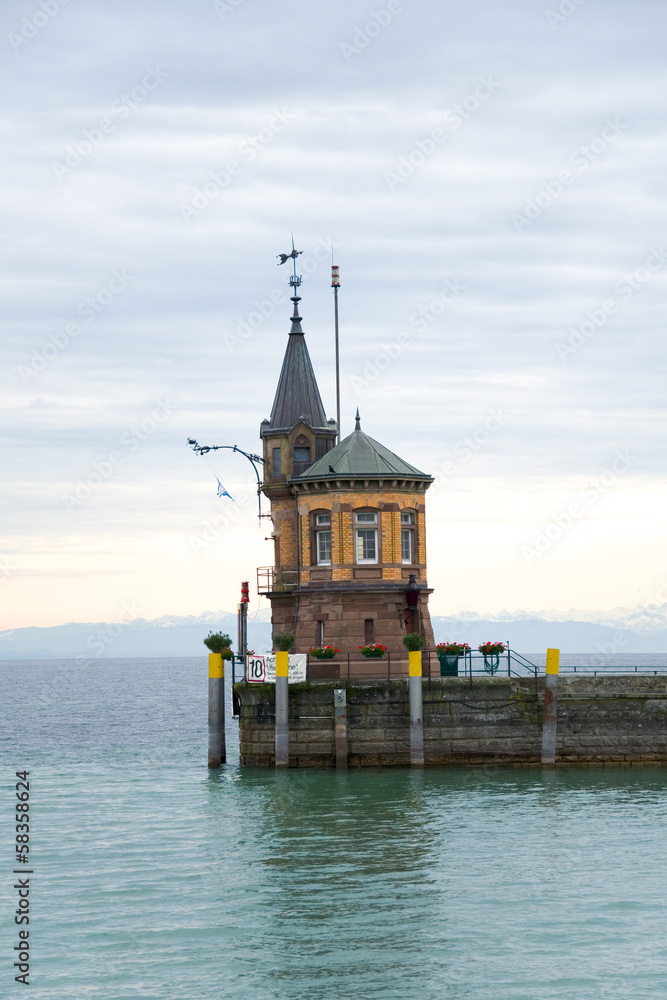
222,492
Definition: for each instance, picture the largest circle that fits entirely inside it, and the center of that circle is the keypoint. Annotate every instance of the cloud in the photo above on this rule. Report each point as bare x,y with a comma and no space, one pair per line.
322,176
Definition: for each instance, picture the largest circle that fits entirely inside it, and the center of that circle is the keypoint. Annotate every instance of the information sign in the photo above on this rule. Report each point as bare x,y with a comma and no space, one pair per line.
262,669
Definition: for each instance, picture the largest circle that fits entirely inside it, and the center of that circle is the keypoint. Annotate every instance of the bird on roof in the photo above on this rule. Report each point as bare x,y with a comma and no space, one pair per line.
331,469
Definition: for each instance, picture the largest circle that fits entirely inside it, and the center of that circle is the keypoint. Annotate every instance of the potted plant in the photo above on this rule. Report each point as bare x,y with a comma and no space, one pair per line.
283,641
373,650
491,652
413,642
448,654
324,652
219,642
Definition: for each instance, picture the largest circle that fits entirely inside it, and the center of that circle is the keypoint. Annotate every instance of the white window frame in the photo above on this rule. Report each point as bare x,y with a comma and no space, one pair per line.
322,528
408,533
366,522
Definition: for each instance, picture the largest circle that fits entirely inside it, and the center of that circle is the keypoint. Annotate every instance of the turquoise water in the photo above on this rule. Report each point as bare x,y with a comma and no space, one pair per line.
155,878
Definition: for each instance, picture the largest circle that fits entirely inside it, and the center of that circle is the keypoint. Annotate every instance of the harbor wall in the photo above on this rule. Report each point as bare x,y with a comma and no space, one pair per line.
493,721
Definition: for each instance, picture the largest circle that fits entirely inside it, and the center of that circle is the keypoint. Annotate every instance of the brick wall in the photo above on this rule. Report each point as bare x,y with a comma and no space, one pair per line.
620,719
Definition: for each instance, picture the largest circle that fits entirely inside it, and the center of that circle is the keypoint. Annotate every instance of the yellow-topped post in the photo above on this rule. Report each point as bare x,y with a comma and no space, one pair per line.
216,710
550,720
416,708
282,709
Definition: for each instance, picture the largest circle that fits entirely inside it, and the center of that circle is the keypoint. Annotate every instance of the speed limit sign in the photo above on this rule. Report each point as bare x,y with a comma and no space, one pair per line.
257,669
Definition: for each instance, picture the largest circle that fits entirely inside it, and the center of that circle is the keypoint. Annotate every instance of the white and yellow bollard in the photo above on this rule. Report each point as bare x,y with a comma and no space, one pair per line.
282,709
550,721
216,710
416,709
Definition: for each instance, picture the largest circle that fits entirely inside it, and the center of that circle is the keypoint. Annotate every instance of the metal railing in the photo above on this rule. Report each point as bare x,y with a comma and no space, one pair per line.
272,578
354,666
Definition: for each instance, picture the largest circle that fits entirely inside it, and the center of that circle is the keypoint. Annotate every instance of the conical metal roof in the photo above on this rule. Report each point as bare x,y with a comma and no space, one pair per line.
297,396
359,456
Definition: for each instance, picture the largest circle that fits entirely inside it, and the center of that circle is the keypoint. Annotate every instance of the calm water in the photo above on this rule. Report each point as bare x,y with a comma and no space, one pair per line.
157,879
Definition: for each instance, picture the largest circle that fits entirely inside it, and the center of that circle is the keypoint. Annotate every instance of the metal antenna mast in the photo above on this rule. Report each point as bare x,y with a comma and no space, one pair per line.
335,284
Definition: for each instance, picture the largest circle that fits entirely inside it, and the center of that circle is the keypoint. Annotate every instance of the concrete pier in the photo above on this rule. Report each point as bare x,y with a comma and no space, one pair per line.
491,720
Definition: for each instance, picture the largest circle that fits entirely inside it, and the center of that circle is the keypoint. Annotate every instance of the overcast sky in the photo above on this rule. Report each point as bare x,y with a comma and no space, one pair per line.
493,179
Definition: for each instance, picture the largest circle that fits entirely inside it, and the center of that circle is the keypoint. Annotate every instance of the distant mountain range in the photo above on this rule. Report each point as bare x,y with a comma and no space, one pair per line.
598,632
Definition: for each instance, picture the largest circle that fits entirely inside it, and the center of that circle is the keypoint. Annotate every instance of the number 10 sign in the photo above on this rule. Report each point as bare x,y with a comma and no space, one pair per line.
256,669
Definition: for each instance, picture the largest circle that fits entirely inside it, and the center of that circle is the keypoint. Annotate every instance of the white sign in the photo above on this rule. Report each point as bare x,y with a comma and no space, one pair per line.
262,669
256,669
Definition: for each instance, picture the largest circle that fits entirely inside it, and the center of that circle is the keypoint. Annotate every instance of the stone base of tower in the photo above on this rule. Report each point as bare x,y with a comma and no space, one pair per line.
348,619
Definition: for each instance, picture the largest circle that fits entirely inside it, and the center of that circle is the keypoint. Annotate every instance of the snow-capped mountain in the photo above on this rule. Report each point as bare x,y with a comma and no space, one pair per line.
622,630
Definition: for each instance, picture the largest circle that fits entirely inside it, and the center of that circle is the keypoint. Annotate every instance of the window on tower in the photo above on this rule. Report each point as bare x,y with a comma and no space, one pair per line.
366,536
323,539
276,463
302,459
407,537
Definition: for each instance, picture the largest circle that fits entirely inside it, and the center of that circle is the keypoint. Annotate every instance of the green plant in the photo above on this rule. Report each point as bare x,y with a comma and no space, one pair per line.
413,642
373,649
283,641
324,652
491,648
219,642
452,648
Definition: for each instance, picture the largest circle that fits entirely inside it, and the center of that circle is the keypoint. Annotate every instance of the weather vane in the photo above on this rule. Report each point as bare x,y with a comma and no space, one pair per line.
295,279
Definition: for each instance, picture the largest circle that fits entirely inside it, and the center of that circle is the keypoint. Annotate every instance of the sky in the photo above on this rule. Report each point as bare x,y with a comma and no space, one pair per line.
492,179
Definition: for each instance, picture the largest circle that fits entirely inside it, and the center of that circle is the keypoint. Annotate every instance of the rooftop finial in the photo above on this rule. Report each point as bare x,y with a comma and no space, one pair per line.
357,425
295,279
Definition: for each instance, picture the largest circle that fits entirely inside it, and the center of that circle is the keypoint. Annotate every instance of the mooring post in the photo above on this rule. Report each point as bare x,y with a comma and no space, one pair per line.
416,713
549,724
282,709
340,722
216,710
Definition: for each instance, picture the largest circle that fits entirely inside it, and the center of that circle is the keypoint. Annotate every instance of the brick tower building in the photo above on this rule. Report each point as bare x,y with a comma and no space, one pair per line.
348,523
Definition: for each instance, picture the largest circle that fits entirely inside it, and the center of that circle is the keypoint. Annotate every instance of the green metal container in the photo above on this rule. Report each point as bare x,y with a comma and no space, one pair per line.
449,664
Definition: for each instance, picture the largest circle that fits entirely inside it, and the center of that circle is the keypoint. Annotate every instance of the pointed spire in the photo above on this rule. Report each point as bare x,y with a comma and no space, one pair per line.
296,319
357,419
297,396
